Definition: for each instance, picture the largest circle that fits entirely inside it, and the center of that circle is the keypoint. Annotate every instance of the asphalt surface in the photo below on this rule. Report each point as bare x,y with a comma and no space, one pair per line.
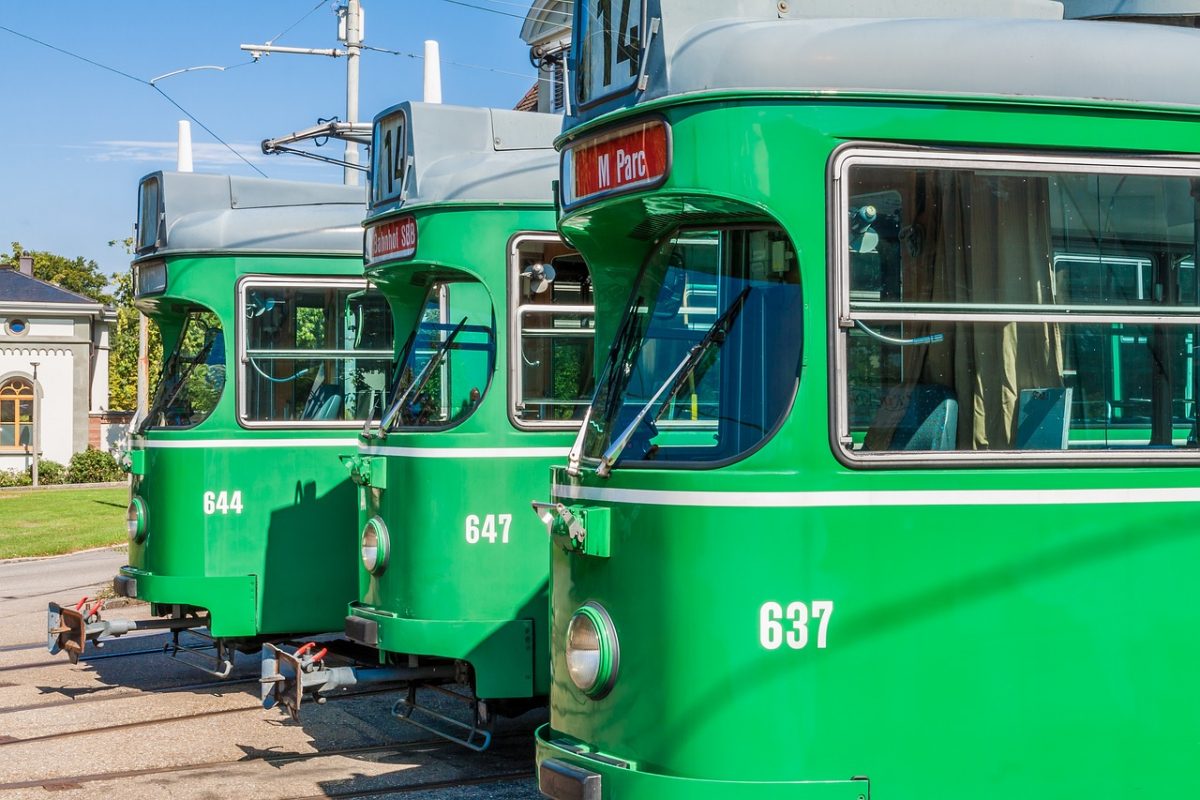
144,725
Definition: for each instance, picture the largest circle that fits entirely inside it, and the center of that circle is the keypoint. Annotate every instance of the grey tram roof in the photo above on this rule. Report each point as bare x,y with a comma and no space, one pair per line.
1006,48
476,155
210,214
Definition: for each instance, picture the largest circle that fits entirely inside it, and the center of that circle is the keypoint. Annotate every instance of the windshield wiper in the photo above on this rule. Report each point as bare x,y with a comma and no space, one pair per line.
714,336
422,378
620,342
195,361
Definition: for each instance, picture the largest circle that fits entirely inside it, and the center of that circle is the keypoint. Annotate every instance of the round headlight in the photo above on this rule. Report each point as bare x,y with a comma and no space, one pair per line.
375,546
592,652
135,520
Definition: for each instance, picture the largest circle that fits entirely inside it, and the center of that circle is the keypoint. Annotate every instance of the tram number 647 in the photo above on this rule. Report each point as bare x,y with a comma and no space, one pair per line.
223,502
793,625
490,527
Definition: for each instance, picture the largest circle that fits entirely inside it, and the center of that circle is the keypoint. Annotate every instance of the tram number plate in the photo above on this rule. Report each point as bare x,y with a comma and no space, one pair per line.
222,502
489,527
794,624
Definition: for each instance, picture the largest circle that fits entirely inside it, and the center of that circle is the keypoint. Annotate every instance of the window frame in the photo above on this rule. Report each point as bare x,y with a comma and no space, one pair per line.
241,331
515,350
16,424
842,319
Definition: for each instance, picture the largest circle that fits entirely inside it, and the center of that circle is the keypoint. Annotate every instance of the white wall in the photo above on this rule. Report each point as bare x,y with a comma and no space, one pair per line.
38,327
55,370
99,392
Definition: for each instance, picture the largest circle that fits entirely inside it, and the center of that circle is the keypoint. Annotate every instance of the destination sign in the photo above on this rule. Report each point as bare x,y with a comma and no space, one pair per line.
394,239
389,148
622,161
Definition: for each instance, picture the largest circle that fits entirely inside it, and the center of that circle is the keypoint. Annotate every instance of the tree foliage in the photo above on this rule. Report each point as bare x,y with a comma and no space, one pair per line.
79,275
123,341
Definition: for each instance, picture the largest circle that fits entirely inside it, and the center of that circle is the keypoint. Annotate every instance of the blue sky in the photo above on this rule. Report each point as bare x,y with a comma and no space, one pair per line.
78,138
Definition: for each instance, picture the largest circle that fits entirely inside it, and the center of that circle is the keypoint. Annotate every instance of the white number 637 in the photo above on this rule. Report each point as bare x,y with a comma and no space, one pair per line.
771,632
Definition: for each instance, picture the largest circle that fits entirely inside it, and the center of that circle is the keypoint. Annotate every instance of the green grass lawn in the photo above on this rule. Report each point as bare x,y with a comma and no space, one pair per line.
53,521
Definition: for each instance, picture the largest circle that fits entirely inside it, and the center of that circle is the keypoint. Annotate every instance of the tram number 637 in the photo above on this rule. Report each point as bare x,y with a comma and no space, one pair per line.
223,502
799,618
490,527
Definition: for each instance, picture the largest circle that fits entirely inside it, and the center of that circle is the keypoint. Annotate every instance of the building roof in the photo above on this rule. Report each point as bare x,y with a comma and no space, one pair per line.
530,101
17,287
546,19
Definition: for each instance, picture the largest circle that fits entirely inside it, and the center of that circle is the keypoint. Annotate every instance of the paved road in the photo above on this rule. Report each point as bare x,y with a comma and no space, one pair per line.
27,585
65,728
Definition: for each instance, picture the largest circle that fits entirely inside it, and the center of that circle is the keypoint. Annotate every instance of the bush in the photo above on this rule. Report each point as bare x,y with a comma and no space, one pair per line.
94,466
49,472
14,477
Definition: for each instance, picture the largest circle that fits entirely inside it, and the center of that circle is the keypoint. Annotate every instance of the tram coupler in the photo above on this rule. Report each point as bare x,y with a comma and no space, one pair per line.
221,659
71,629
287,677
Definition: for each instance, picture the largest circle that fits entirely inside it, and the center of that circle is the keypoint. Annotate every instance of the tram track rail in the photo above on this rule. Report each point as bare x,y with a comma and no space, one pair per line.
119,692
66,782
9,741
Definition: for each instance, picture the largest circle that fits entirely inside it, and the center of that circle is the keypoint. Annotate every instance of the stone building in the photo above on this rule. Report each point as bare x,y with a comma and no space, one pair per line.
53,369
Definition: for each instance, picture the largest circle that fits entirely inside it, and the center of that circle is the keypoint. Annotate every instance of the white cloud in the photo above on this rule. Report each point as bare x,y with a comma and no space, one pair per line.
204,154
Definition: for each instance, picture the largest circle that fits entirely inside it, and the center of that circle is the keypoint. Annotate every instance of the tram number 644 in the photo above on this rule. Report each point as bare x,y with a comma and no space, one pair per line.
223,502
793,625
490,527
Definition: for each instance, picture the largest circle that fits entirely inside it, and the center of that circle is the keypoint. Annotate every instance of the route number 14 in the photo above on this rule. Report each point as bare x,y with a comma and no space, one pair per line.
793,625
490,527
223,502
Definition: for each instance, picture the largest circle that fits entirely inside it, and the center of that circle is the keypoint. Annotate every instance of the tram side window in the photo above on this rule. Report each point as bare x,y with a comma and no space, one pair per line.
447,362
554,326
1016,308
193,372
314,354
706,359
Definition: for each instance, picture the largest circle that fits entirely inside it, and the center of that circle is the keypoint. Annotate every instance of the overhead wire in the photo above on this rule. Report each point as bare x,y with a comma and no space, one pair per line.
485,8
289,28
144,82
453,63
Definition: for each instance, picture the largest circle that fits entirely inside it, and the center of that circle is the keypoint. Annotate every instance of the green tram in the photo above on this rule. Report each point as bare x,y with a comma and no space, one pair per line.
887,487
274,348
495,319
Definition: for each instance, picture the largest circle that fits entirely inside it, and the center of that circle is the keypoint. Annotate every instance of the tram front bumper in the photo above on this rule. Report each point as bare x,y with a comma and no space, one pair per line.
502,651
568,772
231,600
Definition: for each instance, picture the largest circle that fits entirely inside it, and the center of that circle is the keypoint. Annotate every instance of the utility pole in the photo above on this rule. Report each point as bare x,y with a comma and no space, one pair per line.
37,422
350,33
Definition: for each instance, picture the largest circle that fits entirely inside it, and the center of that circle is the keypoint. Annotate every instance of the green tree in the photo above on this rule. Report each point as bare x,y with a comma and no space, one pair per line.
123,342
79,275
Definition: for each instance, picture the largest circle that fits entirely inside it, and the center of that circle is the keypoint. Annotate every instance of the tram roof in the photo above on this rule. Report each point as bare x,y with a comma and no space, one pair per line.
469,155
201,213
1014,50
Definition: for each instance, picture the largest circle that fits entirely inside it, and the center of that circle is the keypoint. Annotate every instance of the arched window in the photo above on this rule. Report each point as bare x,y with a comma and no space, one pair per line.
16,414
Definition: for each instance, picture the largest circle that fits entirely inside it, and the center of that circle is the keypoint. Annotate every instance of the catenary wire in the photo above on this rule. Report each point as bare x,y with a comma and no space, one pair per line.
288,29
142,81
452,63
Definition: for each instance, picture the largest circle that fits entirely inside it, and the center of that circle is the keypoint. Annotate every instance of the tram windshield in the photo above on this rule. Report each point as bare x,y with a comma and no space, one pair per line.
1019,306
448,361
193,375
315,352
705,361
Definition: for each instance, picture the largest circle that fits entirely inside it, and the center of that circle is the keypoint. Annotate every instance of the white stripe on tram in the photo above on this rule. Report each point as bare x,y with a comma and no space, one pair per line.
465,452
227,444
984,497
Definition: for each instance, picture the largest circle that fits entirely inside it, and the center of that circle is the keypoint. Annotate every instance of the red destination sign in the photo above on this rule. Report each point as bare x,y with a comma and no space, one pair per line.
622,161
395,239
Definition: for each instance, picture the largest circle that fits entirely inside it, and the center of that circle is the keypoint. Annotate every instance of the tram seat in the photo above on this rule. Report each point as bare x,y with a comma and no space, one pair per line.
929,420
1043,419
325,402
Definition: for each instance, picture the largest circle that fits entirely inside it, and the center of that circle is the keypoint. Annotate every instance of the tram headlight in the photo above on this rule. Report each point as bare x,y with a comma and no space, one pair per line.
135,520
375,546
593,655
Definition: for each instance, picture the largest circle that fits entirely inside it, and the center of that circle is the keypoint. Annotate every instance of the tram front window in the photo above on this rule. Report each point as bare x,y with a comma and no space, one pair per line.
315,353
193,375
448,361
705,360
